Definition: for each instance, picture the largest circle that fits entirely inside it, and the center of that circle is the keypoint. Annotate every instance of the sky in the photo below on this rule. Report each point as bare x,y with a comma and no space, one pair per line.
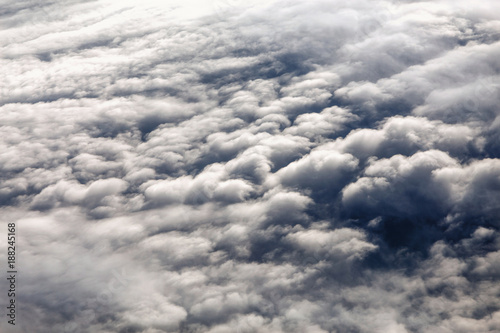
324,166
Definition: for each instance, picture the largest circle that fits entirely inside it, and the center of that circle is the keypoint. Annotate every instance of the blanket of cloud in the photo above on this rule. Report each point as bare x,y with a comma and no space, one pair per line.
252,166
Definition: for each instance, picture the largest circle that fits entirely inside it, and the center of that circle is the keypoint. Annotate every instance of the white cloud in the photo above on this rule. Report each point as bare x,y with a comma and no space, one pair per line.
252,166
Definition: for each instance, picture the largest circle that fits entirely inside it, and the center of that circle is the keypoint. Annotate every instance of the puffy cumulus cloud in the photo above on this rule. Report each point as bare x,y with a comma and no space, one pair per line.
433,175
408,135
327,123
252,166
322,169
472,188
340,244
402,185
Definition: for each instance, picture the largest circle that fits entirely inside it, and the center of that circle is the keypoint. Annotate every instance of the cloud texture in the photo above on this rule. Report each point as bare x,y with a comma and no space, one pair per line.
252,166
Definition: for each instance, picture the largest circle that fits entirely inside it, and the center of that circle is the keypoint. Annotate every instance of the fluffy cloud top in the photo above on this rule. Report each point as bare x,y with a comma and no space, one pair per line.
252,166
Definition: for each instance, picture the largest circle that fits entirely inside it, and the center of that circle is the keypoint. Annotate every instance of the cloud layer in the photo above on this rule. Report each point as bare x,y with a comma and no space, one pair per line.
285,166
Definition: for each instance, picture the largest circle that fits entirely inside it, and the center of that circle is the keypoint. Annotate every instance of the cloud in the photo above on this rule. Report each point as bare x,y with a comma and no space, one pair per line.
321,167
341,244
404,184
251,166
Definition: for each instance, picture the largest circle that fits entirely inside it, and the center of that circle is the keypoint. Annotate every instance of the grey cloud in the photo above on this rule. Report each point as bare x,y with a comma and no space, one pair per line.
403,186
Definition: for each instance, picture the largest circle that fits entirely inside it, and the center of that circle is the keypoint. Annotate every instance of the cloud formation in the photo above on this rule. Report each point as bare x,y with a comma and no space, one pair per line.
252,166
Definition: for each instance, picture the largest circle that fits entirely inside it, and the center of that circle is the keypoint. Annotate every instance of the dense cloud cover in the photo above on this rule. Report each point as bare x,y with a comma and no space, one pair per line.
252,166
